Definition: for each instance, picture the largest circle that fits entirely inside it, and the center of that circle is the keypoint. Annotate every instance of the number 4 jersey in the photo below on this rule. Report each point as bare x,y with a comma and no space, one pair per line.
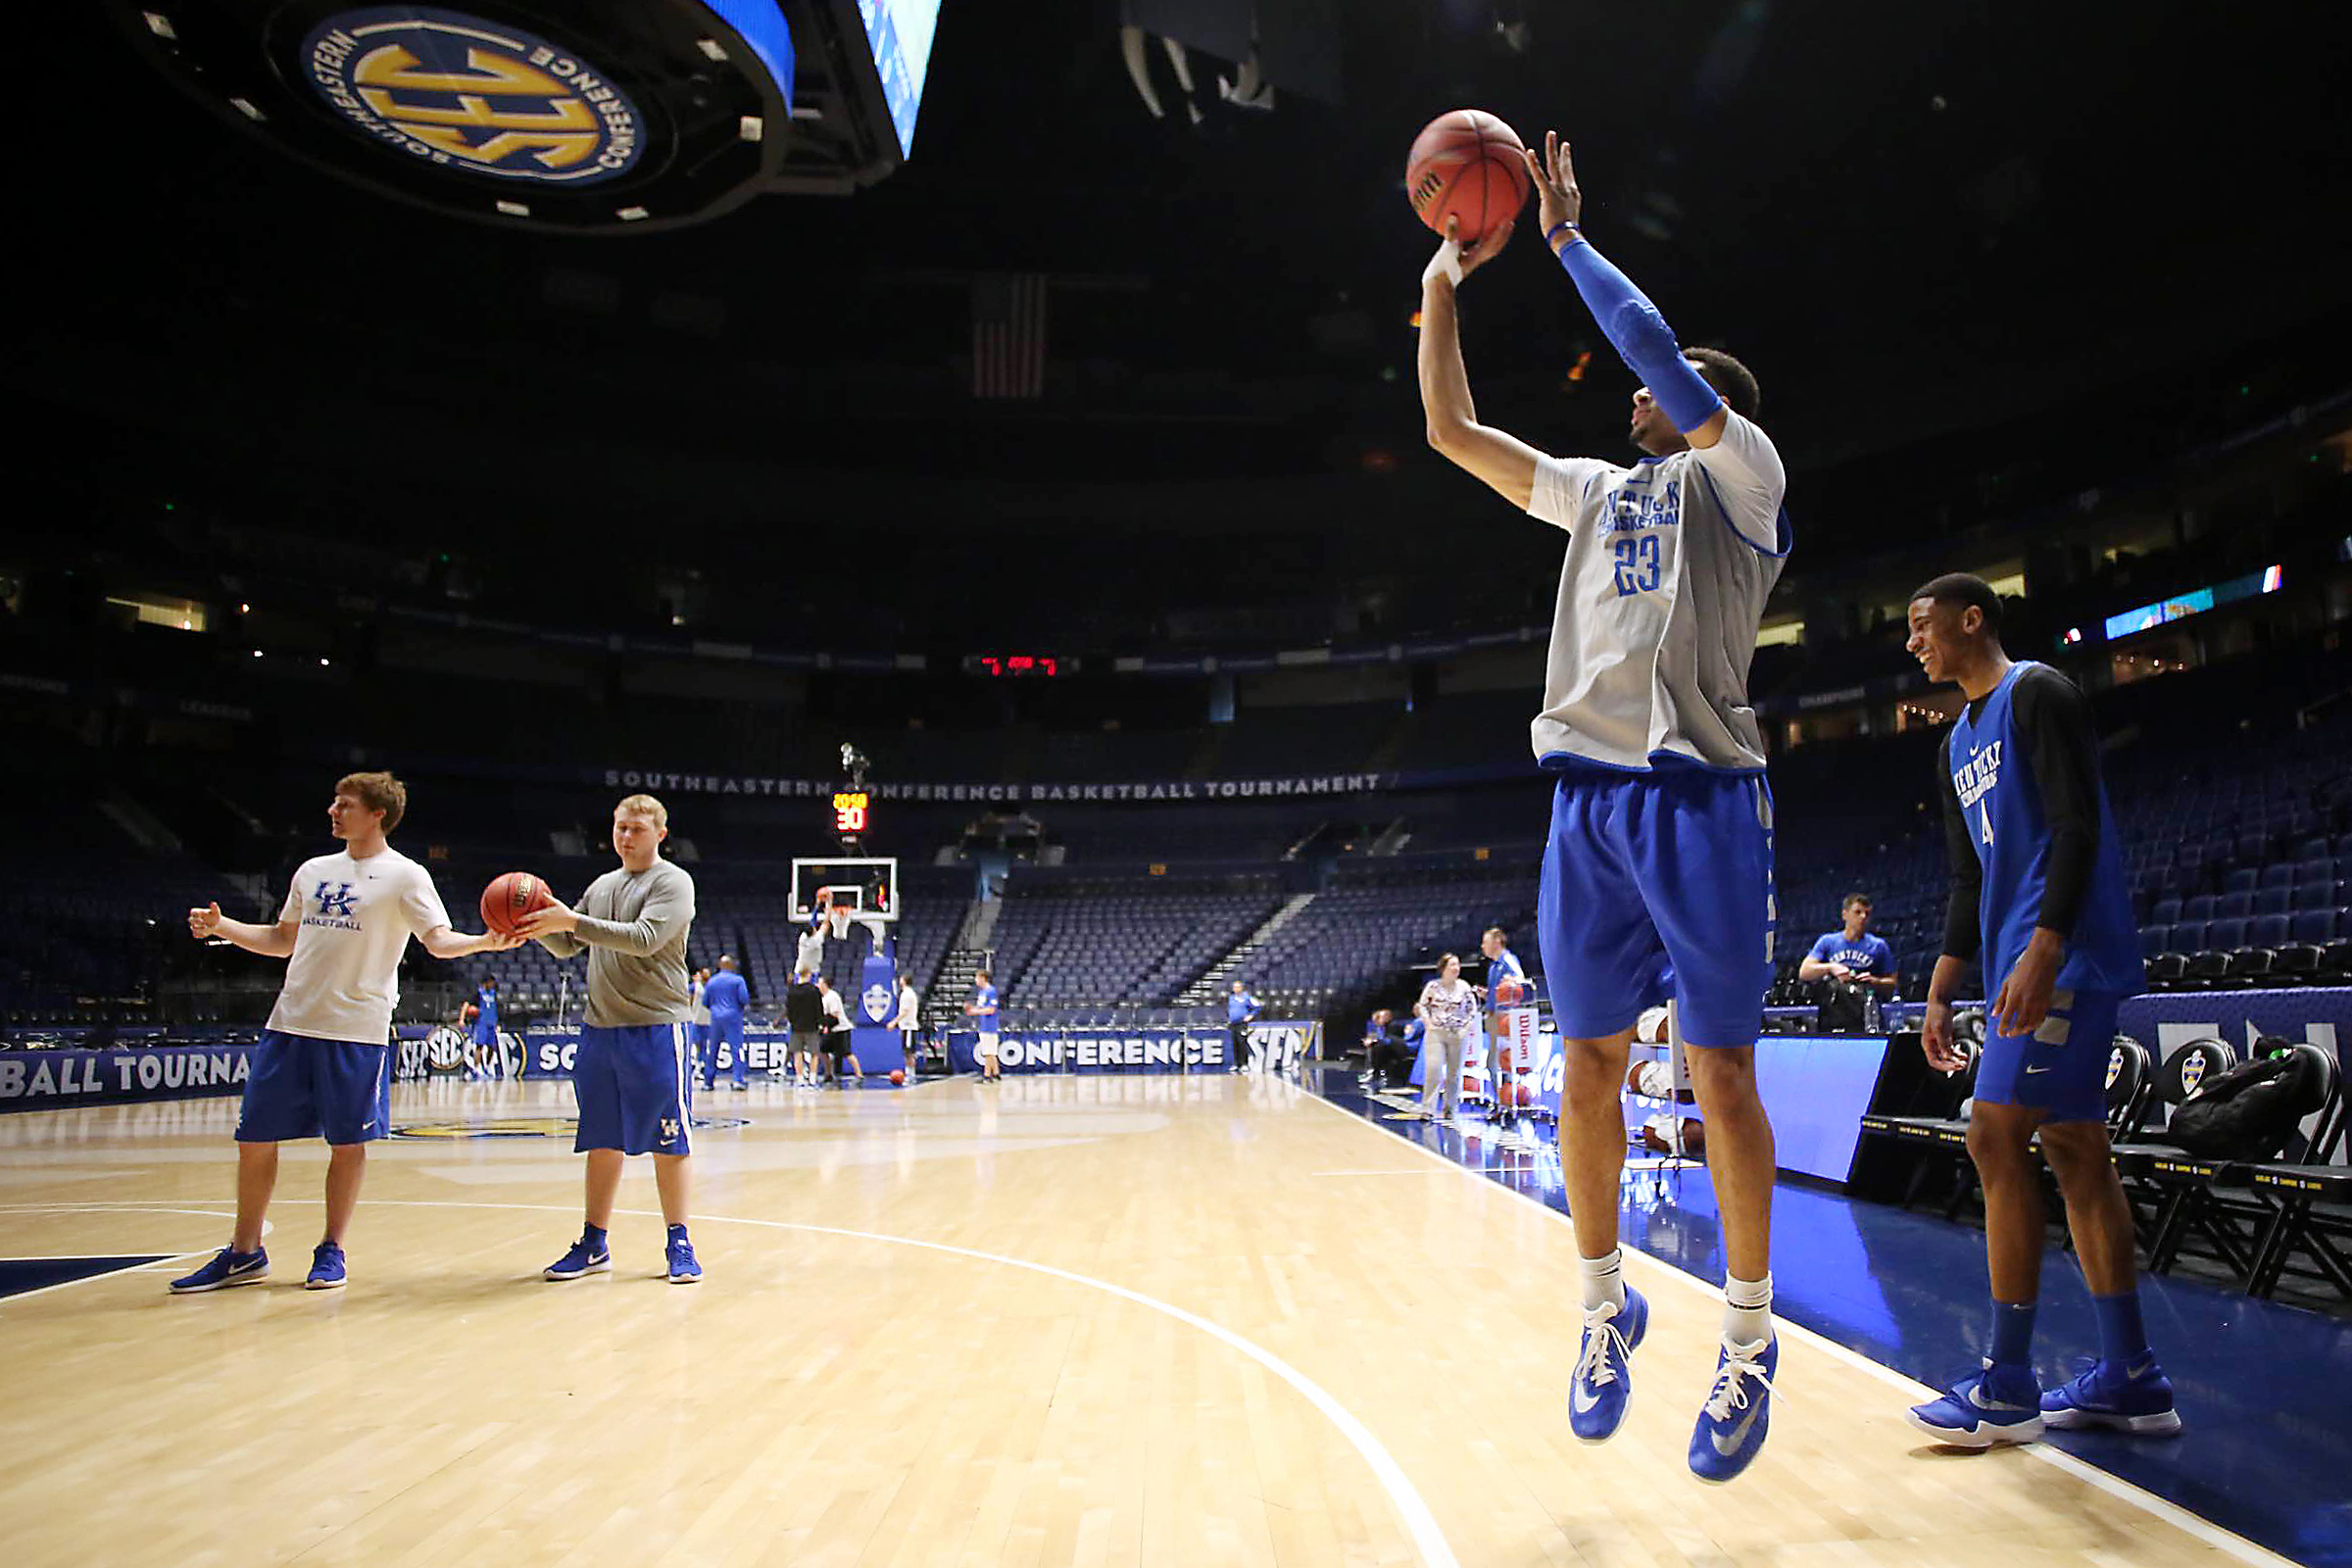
1669,562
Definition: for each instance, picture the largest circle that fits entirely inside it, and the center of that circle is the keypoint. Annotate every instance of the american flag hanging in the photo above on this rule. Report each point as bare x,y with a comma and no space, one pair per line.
1008,335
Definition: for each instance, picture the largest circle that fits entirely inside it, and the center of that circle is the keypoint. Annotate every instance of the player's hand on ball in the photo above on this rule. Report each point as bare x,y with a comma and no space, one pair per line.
549,918
1557,199
500,940
205,924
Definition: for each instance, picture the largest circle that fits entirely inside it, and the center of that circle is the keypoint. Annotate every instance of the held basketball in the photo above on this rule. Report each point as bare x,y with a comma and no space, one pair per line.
1468,165
510,897
1510,992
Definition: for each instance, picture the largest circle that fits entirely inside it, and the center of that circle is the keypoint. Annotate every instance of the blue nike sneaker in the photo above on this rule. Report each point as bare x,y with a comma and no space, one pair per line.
229,1267
1731,1423
581,1259
2136,1397
1999,1405
326,1268
1603,1380
683,1267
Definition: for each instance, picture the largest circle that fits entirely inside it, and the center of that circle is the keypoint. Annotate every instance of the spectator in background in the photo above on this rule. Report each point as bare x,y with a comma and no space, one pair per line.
1852,955
837,1034
485,1022
1449,1008
1385,1060
698,1027
725,994
908,1023
1241,1012
805,1015
982,1010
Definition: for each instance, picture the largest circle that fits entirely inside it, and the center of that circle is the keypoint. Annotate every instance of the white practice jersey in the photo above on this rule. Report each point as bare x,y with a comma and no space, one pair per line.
1669,563
353,920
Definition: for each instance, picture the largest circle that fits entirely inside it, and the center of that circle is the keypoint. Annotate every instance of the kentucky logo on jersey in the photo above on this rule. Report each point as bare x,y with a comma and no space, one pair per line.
336,906
462,92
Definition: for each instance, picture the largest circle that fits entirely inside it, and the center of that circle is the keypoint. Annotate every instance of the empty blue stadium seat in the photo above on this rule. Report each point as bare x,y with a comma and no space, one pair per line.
2273,901
2234,906
2277,875
2188,936
2240,880
2315,925
2315,869
2152,939
2225,935
2317,895
2267,931
2199,908
2165,911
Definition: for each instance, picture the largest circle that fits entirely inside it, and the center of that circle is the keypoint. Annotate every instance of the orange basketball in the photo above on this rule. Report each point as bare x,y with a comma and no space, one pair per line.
1510,991
510,897
1469,165
898,1075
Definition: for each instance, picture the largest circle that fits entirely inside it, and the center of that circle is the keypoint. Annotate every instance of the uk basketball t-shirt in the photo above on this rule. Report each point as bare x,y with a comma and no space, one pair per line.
984,1008
1868,954
351,920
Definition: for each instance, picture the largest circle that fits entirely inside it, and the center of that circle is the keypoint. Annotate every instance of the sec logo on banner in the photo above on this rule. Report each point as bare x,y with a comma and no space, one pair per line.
465,93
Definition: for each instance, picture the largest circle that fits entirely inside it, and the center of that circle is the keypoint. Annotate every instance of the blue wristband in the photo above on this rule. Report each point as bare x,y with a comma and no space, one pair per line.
1568,222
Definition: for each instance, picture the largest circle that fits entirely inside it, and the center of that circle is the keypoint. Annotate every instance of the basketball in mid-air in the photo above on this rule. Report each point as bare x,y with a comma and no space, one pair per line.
898,1075
510,897
1469,165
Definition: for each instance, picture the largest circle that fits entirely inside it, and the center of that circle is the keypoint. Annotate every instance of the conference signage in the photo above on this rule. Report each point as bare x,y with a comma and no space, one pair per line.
1000,792
46,1080
597,115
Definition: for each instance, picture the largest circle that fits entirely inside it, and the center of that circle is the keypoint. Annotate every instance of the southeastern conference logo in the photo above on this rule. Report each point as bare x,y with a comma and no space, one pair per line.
877,1001
467,93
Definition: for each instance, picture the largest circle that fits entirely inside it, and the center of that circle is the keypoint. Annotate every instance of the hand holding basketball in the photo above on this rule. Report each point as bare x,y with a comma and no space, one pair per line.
1557,199
550,916
511,897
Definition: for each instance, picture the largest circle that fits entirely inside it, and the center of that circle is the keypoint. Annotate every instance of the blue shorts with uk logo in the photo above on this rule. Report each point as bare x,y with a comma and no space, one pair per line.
630,1083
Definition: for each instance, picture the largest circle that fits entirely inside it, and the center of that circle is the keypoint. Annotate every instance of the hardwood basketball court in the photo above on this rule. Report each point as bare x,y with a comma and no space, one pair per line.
1077,1320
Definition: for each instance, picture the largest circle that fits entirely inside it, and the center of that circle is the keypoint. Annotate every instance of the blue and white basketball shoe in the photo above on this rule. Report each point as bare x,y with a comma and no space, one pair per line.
1999,1405
581,1259
684,1269
227,1267
1731,1423
326,1268
2134,1397
1603,1380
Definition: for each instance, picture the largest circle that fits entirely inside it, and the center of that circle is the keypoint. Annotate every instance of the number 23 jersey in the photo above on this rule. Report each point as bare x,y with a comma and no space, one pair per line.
1669,563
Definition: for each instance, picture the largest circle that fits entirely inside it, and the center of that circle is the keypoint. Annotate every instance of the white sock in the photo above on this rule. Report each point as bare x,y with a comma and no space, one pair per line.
1603,1279
1746,1309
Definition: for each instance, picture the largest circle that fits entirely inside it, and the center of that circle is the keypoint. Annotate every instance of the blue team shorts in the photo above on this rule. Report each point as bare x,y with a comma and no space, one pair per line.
2060,1069
1658,885
299,1087
631,1086
486,1033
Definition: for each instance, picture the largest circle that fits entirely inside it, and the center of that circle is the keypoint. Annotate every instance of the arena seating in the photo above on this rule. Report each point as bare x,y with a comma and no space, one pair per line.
1070,939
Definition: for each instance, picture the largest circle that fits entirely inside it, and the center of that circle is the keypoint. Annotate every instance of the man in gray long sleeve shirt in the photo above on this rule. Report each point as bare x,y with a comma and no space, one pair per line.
629,1074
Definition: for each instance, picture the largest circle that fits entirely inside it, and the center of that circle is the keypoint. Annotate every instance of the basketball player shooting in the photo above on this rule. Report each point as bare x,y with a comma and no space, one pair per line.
1660,845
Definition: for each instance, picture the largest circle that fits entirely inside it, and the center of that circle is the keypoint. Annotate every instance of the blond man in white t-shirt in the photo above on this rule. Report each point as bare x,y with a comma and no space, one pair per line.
324,1066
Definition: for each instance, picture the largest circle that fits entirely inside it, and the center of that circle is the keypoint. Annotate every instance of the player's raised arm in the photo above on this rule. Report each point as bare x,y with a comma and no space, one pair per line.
208,924
1624,315
1502,461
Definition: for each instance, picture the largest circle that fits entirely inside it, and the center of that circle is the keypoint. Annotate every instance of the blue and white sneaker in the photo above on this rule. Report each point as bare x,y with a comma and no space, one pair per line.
326,1268
1999,1405
229,1267
1603,1380
2136,1397
683,1268
581,1259
1731,1423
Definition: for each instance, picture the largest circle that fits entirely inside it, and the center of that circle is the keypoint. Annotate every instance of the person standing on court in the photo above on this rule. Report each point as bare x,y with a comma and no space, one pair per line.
1241,1012
726,997
982,1010
2039,892
1659,852
485,1022
909,1023
838,1054
1502,964
629,1075
697,1028
804,1017
324,1066
1449,1008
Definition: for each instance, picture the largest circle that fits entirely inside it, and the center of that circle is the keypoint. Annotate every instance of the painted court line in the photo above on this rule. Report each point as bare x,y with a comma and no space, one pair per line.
2171,1513
1428,1538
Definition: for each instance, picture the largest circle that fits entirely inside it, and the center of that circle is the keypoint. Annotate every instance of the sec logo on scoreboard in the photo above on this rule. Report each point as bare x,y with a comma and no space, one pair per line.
463,93
592,116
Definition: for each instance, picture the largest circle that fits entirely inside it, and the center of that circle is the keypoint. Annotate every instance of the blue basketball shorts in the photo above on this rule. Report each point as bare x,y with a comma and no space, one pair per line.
486,1033
299,1087
1658,885
2060,1069
630,1083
